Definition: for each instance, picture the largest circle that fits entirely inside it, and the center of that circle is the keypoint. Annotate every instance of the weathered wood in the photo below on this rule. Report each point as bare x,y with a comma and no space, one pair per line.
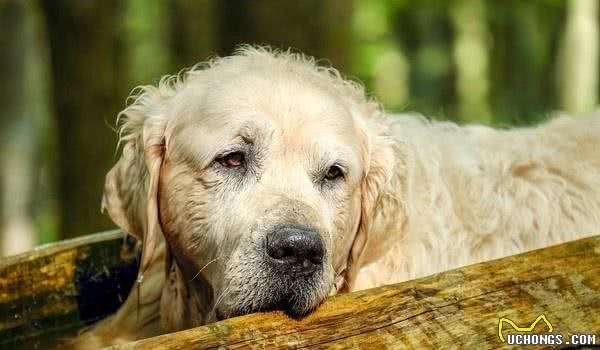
456,309
56,289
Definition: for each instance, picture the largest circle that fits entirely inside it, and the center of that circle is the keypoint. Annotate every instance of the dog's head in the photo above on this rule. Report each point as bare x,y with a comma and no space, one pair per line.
261,171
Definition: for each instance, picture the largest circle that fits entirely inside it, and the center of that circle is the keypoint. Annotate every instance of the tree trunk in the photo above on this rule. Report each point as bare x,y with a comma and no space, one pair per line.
317,28
193,32
85,48
15,233
146,28
578,71
19,135
425,32
471,60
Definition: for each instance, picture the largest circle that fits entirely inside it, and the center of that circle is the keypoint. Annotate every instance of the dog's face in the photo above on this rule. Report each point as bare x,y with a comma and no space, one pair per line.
260,190
261,174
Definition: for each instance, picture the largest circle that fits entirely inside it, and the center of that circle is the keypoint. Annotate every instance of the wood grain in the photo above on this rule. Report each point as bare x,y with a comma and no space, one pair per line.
56,289
458,309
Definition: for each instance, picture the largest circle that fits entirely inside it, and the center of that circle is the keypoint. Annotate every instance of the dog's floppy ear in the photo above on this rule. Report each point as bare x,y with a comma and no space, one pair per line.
379,159
131,187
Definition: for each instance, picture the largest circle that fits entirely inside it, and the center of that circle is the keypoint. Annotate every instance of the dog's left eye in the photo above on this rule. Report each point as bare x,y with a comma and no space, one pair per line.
334,172
232,160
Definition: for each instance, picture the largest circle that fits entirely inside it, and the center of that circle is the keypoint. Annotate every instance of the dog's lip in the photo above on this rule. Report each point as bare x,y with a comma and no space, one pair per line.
285,304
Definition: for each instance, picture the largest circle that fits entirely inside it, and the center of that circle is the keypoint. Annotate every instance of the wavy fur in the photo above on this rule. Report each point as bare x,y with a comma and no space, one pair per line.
434,195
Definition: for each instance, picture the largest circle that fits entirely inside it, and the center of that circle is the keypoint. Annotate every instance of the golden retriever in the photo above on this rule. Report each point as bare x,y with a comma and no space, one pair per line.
263,181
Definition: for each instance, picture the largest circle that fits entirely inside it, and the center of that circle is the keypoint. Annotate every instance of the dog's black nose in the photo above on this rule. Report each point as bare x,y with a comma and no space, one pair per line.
294,248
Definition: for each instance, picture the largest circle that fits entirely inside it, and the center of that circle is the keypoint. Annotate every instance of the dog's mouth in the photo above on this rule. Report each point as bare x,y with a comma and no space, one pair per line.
220,315
284,305
286,272
287,305
296,296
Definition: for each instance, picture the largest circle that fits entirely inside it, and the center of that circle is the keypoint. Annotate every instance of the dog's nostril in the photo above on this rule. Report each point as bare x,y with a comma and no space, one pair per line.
281,252
296,248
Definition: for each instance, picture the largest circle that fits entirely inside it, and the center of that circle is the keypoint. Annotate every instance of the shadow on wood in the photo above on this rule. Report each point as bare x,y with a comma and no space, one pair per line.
55,290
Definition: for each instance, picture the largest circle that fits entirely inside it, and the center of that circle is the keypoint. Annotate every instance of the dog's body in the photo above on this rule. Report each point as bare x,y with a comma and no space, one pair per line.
399,197
475,193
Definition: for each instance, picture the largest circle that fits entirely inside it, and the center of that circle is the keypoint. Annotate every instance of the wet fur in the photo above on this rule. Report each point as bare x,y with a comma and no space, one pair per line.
429,196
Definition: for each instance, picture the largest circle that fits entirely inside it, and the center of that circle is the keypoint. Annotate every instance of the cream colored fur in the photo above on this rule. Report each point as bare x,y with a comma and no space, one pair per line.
474,193
432,195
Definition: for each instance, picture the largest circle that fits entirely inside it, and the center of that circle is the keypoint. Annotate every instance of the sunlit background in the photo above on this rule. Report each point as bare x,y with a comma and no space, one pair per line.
66,68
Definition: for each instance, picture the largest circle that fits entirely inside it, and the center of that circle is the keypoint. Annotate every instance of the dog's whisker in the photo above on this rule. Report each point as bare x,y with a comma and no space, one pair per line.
205,266
220,298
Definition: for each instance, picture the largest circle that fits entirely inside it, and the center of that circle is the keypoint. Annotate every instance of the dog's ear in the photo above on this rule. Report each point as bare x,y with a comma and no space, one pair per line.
131,187
379,159
184,303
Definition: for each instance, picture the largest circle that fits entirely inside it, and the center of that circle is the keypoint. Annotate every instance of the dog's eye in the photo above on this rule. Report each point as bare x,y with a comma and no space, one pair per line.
334,172
232,160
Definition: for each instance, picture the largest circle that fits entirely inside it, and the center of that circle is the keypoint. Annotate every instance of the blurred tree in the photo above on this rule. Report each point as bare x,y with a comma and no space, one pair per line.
165,37
462,59
523,50
335,39
471,60
26,192
317,28
193,32
578,66
146,53
378,58
425,31
16,157
86,49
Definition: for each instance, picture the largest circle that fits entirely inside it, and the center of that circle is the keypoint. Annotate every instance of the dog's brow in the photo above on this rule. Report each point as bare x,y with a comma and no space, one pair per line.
248,131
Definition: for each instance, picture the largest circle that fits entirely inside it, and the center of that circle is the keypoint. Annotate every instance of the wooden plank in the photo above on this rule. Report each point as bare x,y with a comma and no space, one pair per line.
458,309
56,289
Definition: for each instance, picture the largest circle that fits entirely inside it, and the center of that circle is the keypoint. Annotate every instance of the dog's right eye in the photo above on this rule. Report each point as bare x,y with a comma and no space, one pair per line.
232,160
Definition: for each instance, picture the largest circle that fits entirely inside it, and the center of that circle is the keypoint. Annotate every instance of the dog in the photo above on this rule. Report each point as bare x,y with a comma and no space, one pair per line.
263,181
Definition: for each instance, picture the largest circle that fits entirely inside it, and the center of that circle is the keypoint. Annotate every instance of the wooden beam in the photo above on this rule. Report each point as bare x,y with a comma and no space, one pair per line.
56,289
455,309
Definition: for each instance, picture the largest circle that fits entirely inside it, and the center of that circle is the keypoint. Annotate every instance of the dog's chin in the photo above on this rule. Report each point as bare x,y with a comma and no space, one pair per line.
296,304
292,311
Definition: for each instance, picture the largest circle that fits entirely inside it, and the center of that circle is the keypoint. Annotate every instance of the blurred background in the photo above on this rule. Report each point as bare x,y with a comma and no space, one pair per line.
67,66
